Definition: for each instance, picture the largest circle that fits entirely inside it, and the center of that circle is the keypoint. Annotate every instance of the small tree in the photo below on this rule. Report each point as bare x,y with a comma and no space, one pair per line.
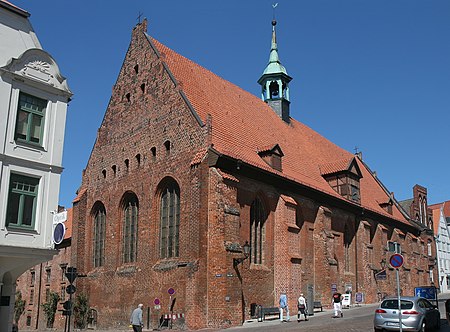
50,307
81,310
19,307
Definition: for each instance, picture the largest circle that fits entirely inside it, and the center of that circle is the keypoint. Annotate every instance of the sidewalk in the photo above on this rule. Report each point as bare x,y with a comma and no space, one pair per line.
327,312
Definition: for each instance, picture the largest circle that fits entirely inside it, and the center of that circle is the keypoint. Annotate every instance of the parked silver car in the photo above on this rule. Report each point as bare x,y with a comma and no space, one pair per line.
418,314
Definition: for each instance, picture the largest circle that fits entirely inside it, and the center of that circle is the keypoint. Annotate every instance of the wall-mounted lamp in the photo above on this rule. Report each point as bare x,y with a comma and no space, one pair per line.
246,251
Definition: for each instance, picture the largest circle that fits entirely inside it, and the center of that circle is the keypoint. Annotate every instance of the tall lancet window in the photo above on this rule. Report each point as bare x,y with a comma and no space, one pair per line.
170,220
130,207
99,234
258,218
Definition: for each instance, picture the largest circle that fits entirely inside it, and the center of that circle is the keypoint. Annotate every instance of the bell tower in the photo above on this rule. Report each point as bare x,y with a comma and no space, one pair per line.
275,82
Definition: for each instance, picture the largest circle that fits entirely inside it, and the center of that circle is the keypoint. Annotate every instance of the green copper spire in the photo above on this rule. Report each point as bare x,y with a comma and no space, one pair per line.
274,65
275,81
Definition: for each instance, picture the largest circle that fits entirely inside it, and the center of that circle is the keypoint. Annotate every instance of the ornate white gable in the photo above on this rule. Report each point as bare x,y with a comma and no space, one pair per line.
37,65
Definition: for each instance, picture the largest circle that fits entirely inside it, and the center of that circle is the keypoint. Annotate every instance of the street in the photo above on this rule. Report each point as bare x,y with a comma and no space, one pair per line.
356,319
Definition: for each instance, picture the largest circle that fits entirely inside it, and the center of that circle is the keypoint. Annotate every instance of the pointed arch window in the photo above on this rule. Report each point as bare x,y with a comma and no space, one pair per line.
347,242
424,211
130,227
99,234
170,220
420,218
258,218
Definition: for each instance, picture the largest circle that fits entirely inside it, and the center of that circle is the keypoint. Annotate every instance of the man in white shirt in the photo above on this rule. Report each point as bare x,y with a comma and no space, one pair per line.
302,307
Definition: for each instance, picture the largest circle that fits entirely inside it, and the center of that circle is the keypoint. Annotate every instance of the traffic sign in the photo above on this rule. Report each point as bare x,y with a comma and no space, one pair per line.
71,274
426,292
171,291
396,261
156,301
71,289
381,275
58,233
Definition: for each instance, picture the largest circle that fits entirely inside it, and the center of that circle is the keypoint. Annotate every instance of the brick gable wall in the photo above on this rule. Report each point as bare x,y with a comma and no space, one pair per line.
146,110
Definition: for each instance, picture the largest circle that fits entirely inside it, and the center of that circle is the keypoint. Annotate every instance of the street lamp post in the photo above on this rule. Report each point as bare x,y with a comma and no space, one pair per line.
246,252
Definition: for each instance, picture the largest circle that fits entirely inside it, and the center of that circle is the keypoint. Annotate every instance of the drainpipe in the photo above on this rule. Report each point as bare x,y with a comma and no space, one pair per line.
39,296
356,258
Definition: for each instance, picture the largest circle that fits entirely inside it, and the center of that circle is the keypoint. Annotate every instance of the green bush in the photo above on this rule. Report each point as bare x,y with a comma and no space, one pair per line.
19,306
50,307
81,311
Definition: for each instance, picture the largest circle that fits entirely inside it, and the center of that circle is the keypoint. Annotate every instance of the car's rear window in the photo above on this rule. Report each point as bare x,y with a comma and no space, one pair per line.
393,304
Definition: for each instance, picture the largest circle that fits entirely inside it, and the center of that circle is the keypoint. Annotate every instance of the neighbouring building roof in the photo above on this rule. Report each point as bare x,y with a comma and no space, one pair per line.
8,5
406,204
445,207
242,123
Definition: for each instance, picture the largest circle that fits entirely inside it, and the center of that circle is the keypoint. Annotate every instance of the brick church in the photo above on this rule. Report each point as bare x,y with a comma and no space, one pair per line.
199,191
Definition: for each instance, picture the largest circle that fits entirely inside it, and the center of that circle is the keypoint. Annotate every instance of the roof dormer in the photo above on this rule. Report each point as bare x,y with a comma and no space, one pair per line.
343,176
272,155
387,206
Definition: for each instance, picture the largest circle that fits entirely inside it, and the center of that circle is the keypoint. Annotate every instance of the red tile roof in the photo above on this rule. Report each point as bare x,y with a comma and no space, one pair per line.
436,209
79,195
242,123
198,157
334,167
436,218
288,199
227,176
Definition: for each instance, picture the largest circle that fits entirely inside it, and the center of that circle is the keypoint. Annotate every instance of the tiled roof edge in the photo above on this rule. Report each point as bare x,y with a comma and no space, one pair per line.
227,176
79,195
174,80
388,193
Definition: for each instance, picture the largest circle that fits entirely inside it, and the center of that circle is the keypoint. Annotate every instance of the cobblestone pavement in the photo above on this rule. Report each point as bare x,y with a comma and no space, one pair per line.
356,319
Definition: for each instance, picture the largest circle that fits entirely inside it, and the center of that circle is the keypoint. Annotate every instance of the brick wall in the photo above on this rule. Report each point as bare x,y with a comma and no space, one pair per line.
36,283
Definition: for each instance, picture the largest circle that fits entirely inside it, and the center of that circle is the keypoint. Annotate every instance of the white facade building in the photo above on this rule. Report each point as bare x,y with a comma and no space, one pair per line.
33,106
442,234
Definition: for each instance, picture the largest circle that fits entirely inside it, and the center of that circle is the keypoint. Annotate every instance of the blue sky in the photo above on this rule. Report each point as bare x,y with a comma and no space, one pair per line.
368,74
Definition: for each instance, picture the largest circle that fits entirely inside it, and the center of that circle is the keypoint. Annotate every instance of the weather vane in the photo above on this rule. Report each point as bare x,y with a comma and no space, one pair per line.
274,6
139,17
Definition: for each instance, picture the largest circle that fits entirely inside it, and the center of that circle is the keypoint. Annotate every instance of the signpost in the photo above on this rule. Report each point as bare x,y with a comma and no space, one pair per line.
427,292
396,262
171,291
359,298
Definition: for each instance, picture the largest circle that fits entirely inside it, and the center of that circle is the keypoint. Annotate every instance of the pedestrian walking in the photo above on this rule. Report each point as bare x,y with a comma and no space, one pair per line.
136,318
302,307
337,305
284,307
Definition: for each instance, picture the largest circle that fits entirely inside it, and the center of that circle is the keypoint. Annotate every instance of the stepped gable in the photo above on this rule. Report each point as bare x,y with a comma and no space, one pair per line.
242,123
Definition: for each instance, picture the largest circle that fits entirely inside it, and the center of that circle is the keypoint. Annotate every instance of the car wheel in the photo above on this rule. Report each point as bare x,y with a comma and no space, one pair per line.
438,324
423,326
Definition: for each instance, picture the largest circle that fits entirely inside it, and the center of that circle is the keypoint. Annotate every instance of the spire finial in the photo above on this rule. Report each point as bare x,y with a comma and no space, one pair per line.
274,6
139,17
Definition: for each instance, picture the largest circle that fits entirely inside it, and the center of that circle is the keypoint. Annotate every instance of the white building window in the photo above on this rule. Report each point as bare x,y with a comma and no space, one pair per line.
22,198
30,119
